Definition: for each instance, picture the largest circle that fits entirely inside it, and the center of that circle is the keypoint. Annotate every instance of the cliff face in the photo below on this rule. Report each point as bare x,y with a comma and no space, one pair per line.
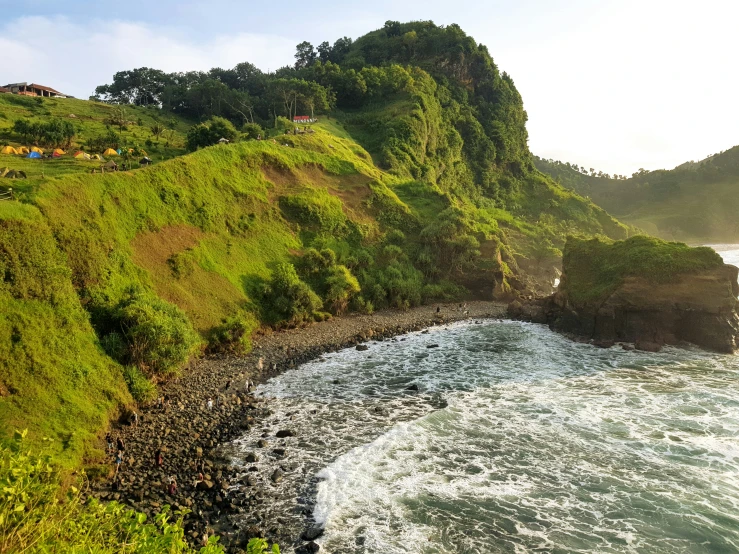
700,308
643,291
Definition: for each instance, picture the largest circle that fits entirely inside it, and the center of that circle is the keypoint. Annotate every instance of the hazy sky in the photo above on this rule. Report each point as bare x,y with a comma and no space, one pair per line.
611,84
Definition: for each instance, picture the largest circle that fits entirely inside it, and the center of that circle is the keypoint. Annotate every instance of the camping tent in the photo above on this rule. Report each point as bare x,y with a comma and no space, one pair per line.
110,152
111,165
97,157
8,150
223,140
34,155
59,151
36,149
22,150
145,161
56,155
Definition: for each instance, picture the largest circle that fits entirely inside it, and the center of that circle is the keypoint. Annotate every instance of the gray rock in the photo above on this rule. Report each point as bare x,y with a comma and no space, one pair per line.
362,347
277,475
312,533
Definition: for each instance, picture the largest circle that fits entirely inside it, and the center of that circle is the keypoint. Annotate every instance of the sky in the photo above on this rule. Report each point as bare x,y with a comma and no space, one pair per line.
616,85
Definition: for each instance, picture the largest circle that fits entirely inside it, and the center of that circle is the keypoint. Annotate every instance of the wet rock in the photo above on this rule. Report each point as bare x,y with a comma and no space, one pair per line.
362,347
261,443
250,480
205,485
284,433
412,387
432,346
648,346
279,451
310,548
312,533
277,475
251,457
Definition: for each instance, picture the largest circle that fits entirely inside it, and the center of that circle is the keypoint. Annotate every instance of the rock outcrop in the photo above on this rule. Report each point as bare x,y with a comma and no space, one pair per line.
697,306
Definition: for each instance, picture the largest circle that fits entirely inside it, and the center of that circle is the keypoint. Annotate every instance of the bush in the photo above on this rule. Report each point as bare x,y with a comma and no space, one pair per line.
283,124
210,132
342,287
252,130
233,334
159,338
290,299
37,517
139,386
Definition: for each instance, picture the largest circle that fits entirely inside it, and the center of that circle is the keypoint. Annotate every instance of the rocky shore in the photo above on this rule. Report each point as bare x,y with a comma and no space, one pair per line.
211,404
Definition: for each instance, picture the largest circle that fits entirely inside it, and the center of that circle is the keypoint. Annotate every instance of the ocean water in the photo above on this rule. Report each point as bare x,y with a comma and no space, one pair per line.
517,440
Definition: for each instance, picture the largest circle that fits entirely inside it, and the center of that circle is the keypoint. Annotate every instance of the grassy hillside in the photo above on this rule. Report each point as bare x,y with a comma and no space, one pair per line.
695,202
131,125
195,243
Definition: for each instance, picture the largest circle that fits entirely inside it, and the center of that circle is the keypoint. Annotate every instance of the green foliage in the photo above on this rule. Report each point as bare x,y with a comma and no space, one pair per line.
159,338
37,515
210,132
316,210
252,130
142,390
55,133
289,299
233,334
261,546
594,268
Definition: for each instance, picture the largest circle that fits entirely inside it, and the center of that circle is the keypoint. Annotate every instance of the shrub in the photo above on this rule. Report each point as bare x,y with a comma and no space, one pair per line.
252,130
290,299
210,132
139,386
342,287
158,336
261,546
233,334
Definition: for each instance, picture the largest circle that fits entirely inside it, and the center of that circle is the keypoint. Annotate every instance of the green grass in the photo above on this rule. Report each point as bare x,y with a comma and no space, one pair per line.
595,268
92,119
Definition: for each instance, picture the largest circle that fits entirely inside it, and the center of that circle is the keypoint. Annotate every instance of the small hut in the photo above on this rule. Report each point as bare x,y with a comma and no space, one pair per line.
223,141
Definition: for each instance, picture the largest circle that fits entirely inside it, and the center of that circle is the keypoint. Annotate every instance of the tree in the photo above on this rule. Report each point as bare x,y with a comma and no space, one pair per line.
142,86
305,55
210,132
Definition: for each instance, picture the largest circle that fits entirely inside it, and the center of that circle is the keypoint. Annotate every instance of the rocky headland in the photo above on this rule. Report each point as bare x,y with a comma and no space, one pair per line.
189,431
642,291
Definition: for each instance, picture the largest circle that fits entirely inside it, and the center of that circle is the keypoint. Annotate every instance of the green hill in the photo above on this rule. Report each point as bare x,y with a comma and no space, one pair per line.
695,202
416,185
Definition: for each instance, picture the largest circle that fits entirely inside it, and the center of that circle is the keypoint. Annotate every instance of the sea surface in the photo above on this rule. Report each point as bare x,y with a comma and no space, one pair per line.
517,440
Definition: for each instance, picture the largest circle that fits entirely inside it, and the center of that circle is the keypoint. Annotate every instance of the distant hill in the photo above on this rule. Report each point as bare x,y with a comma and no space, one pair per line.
696,202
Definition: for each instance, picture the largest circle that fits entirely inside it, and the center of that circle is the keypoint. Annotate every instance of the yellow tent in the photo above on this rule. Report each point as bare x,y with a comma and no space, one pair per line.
36,149
110,152
59,151
97,157
81,156
22,150
8,150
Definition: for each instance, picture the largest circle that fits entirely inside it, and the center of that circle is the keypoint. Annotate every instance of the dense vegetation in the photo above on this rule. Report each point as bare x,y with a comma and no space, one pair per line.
420,187
594,268
694,202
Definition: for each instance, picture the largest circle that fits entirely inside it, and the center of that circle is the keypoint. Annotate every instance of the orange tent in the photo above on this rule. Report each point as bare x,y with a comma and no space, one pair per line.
59,152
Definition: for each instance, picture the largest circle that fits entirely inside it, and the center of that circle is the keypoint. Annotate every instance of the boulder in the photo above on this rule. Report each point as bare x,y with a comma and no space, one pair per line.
312,533
310,548
277,475
284,433
362,347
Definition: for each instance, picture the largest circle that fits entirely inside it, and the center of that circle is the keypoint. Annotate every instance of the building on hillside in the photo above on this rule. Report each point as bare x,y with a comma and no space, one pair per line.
302,119
33,89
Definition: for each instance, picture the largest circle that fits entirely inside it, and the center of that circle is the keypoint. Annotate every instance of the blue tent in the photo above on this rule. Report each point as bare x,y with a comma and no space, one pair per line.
35,155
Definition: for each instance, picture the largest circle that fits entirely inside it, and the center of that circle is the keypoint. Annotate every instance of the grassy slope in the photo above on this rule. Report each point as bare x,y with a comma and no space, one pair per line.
90,122
695,202
203,231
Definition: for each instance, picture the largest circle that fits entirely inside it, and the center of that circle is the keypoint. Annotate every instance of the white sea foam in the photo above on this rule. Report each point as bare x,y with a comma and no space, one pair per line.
518,440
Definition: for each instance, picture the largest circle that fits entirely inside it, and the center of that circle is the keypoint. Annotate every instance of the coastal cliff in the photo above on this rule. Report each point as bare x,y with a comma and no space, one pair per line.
643,291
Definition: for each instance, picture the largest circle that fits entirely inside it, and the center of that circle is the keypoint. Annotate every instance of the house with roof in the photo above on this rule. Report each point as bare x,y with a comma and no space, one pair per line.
34,89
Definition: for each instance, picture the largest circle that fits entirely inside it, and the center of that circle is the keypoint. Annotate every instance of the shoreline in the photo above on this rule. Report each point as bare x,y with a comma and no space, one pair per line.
190,435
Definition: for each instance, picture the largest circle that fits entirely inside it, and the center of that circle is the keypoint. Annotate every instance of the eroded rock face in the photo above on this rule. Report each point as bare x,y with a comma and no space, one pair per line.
699,308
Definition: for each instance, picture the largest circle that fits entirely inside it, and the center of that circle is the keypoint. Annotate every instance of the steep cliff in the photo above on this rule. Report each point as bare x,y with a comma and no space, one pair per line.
646,291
